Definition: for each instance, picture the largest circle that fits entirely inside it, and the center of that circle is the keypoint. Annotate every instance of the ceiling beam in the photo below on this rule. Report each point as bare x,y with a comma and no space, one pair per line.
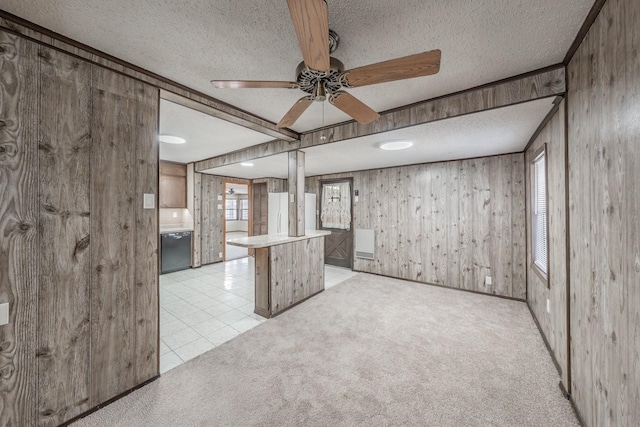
214,106
258,151
550,82
539,84
237,117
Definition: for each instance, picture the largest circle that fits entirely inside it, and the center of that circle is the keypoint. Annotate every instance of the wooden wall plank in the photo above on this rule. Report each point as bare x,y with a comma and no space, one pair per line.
518,232
145,286
197,220
64,156
631,11
19,87
212,219
482,230
295,182
449,221
603,146
112,234
465,227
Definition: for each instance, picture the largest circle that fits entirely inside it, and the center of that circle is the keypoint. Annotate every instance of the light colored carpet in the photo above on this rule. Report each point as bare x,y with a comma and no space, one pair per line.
370,351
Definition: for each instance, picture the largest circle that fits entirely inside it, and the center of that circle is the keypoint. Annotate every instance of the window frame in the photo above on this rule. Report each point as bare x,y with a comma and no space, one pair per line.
539,154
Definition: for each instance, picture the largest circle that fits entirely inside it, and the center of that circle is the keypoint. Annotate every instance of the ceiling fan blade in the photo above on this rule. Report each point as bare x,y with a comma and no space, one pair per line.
407,67
296,111
248,84
353,107
311,22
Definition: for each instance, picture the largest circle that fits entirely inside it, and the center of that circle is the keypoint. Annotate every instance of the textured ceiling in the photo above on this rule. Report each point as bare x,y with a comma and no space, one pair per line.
498,131
206,136
193,42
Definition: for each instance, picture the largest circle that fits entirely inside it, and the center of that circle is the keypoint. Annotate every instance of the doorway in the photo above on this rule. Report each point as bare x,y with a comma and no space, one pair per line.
336,215
237,217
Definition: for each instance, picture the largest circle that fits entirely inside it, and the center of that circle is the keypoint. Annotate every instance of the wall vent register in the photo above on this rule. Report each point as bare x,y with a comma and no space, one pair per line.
365,243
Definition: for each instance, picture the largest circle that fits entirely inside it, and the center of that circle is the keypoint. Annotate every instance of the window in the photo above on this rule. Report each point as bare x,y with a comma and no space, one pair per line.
539,213
244,209
231,210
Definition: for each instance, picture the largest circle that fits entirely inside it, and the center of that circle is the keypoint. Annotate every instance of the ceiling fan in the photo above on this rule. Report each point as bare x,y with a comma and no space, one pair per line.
323,77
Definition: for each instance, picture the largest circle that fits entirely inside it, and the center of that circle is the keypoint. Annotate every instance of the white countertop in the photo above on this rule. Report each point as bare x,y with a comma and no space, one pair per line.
267,240
164,230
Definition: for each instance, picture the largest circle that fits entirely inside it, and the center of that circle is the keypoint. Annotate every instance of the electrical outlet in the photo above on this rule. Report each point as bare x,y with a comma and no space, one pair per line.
219,254
175,214
548,306
487,280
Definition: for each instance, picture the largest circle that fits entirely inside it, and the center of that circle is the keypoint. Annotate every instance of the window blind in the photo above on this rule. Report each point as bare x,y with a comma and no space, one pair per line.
244,209
231,210
540,214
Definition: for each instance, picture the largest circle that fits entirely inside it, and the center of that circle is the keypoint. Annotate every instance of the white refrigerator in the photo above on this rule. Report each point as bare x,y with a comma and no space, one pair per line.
278,212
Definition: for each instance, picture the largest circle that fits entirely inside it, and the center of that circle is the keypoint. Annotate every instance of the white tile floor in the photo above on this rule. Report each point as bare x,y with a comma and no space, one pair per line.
205,307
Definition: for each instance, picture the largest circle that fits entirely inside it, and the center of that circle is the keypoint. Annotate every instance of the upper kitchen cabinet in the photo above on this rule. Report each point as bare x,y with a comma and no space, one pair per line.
173,185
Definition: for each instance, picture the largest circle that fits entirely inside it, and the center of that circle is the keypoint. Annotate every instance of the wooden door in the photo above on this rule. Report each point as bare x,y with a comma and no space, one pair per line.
259,203
338,246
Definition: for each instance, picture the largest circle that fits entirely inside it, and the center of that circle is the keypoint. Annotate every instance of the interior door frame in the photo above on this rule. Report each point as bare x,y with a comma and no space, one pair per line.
319,220
224,211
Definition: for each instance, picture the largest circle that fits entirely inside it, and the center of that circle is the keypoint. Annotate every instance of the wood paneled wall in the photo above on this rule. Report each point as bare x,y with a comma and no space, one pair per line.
603,104
208,235
450,223
296,272
554,323
19,212
274,185
212,238
78,260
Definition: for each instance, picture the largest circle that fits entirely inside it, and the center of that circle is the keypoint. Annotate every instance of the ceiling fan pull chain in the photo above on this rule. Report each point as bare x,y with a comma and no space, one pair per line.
322,136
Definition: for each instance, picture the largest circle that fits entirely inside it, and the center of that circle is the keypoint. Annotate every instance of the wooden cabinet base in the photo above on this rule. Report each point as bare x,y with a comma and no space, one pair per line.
288,274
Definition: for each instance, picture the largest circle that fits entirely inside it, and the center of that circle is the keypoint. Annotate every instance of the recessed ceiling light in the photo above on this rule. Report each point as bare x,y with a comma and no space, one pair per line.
396,145
172,139
246,164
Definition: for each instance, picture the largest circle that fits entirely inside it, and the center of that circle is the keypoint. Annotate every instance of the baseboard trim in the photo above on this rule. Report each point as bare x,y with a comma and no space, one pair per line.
298,303
546,343
444,286
568,396
108,402
575,408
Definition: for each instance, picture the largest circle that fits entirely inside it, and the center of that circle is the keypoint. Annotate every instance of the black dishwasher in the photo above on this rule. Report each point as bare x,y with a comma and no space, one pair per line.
175,251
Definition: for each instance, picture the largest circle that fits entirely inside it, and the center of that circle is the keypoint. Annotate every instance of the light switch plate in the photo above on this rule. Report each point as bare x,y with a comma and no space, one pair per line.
219,254
487,280
292,198
4,313
220,197
219,206
149,201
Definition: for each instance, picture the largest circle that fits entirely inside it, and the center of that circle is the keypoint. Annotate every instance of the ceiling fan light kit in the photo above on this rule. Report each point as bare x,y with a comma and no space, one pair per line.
323,77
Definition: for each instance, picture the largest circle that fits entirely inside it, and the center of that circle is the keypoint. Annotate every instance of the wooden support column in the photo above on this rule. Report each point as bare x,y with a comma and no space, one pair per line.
296,193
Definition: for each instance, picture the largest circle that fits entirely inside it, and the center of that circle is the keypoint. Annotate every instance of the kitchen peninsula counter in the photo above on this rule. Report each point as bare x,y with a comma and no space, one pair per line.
288,270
